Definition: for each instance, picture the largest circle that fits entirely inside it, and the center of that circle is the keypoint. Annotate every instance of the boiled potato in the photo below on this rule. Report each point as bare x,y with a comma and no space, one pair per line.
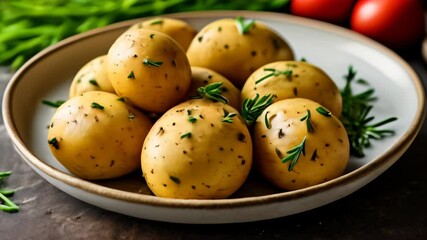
298,144
198,149
204,76
149,69
91,77
179,30
222,47
291,79
98,136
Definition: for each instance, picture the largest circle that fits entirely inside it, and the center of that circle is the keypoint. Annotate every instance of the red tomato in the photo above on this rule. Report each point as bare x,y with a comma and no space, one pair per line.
395,23
334,11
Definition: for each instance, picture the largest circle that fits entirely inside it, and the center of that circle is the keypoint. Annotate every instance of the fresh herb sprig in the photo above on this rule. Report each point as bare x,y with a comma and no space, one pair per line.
252,108
355,116
212,91
275,72
294,154
244,25
5,203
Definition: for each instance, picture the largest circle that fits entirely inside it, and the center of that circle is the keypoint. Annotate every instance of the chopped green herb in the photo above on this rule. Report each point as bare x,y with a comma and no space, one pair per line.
54,142
94,82
55,104
192,119
274,72
186,135
96,105
324,111
131,75
244,25
151,63
252,108
121,99
157,21
266,121
294,154
307,120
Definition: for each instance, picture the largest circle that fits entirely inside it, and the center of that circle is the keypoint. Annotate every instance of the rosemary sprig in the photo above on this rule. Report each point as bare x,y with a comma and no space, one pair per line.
244,25
274,72
5,203
252,108
212,91
355,116
228,117
307,119
151,63
294,154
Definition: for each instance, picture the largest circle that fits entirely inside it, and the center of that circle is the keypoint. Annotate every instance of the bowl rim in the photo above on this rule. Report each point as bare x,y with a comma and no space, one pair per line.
391,155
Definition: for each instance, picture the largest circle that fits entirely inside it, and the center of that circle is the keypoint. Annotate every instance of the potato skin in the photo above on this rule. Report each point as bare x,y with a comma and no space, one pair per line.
219,46
326,148
177,29
91,77
150,69
201,77
212,162
95,143
305,81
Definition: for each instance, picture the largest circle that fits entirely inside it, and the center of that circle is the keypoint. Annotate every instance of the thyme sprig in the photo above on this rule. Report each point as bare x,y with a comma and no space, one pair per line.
5,203
212,91
274,72
355,116
294,154
252,108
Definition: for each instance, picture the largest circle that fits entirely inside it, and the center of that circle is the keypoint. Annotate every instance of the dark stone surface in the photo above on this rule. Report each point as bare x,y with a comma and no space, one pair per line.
393,206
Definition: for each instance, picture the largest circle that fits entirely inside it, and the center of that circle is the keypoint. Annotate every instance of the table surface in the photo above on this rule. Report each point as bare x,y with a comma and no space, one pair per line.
393,206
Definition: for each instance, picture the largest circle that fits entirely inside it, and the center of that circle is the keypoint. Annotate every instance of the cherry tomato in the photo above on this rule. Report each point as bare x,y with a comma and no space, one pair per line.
334,11
397,24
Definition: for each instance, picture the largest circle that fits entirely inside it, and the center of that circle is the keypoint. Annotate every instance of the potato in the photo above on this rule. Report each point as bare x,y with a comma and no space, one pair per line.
220,46
291,79
98,136
179,30
199,149
150,69
298,143
91,77
204,76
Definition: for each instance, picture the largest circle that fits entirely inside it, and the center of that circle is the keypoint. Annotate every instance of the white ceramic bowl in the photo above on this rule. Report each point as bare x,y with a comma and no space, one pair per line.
48,75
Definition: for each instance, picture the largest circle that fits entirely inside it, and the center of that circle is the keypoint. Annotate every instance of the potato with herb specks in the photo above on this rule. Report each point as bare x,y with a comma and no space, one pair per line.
298,144
91,77
98,136
179,30
294,79
201,77
149,69
198,149
237,47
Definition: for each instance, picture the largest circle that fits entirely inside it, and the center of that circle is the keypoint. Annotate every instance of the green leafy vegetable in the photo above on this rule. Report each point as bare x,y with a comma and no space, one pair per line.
28,26
355,116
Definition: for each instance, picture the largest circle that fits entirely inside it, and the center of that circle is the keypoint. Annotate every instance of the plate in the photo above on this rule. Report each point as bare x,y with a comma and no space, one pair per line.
48,75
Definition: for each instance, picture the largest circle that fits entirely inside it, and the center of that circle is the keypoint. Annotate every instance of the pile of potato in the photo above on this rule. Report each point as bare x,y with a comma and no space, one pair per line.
153,102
